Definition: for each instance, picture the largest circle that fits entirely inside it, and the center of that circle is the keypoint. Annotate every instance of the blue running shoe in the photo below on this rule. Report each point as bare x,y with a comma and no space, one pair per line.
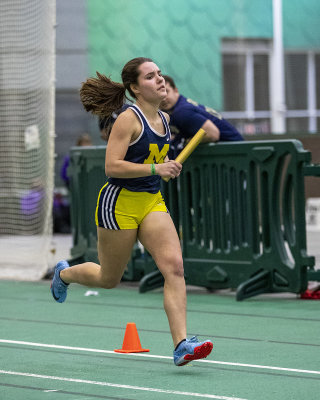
191,349
58,287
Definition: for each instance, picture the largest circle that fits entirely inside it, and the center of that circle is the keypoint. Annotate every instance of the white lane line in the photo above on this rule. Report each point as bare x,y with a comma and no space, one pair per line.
116,385
54,346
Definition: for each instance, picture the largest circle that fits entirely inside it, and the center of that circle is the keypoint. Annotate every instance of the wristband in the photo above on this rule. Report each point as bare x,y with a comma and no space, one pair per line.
153,169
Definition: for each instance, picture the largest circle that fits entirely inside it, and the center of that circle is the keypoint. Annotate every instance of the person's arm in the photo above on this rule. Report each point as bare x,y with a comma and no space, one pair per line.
126,129
228,132
190,119
212,132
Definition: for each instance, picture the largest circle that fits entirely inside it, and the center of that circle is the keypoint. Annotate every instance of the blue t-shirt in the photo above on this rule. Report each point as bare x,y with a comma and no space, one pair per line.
187,117
149,148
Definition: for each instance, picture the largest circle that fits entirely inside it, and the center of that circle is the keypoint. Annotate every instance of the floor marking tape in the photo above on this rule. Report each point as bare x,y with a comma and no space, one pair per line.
116,385
302,371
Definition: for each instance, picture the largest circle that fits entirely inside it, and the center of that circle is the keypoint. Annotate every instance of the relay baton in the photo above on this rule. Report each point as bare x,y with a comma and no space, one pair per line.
190,147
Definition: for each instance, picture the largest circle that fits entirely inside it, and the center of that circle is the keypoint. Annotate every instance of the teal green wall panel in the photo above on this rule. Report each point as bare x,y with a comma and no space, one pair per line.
244,18
184,36
301,27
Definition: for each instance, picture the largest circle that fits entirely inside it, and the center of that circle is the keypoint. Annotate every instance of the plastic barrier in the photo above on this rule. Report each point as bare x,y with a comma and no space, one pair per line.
239,209
242,218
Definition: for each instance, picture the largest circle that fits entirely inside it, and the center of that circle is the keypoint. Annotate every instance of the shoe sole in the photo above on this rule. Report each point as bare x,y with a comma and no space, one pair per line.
58,299
199,352
54,296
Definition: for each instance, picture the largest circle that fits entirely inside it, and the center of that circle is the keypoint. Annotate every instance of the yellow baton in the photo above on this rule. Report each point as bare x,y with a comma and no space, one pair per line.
190,147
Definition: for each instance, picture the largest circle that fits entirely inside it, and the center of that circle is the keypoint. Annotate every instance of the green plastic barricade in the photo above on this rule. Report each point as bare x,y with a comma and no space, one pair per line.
239,209
87,176
242,217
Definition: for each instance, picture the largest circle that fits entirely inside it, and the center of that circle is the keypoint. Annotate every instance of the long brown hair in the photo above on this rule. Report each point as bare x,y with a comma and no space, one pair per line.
102,96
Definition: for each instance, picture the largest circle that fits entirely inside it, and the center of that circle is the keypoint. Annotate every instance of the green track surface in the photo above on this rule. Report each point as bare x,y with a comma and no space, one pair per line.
269,331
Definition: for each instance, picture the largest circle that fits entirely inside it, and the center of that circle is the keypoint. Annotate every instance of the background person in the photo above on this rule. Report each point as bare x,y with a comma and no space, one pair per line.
187,117
83,140
130,205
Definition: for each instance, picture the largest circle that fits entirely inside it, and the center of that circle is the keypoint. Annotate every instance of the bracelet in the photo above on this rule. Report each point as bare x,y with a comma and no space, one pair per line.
153,169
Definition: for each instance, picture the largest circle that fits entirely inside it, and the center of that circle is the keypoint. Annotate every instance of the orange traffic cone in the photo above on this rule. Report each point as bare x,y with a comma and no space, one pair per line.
131,341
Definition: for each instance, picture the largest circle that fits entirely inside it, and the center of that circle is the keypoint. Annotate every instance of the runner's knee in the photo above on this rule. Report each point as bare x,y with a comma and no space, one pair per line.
172,266
109,283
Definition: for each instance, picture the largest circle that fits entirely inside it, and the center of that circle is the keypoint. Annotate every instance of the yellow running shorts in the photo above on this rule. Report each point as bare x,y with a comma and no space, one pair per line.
119,208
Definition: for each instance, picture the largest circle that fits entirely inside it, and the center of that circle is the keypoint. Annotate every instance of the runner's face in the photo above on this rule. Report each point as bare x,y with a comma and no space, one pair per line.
151,84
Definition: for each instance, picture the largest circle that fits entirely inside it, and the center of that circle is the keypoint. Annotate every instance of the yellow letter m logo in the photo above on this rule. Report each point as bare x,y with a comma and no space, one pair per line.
155,156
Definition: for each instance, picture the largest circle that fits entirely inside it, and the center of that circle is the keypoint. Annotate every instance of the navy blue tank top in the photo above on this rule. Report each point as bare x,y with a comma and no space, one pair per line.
150,147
